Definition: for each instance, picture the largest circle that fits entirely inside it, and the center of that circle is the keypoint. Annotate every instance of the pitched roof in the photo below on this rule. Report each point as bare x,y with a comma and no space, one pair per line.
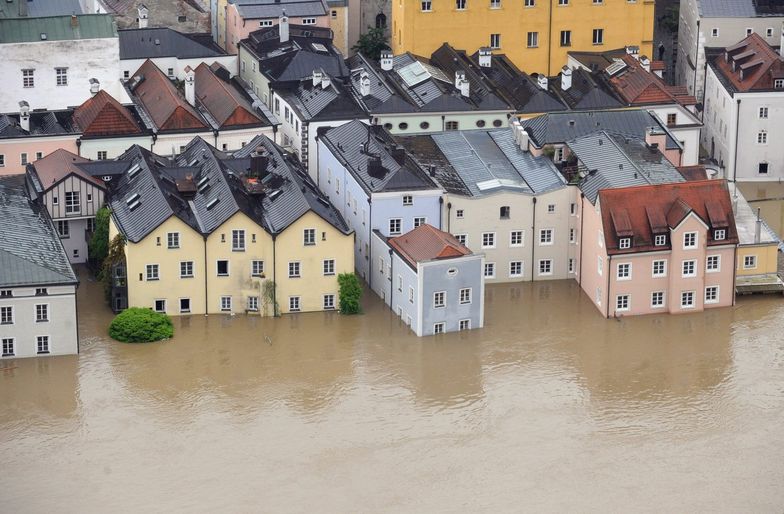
695,172
39,8
222,99
102,115
643,210
640,87
427,243
59,164
737,8
151,43
30,249
165,106
319,101
750,65
57,28
585,92
256,9
41,123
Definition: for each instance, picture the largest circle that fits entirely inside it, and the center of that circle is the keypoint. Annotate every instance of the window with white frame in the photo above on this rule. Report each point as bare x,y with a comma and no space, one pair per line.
488,240
769,32
438,328
225,303
713,263
622,302
460,5
265,23
159,306
459,214
762,137
102,155
489,270
598,36
495,41
720,234
61,76
186,269
63,229
419,220
426,6
657,299
749,31
309,236
8,347
625,243
687,299
461,238
400,283
714,32
439,299
570,265
495,4
532,39
763,113
749,262
566,40
600,238
23,158
328,302
238,240
329,267
545,236
690,240
546,267
295,303
408,200
172,240
222,268
308,21
152,272
778,83
464,324
516,269
6,315
294,269
28,78
712,294
516,238
624,271
465,295
395,226
572,235
599,264
410,294
660,268
529,3
563,2
689,268
41,313
253,303
256,268
42,344
72,202
660,240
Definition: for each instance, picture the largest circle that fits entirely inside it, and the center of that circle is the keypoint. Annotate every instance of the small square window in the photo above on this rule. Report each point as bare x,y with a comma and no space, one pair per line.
309,236
173,240
408,200
624,271
687,300
185,305
225,304
749,262
329,267
622,302
690,240
488,240
712,294
465,295
625,243
660,240
546,267
719,234
294,269
395,226
657,299
42,344
489,270
465,324
295,304
328,302
439,299
223,268
160,306
438,328
459,213
253,303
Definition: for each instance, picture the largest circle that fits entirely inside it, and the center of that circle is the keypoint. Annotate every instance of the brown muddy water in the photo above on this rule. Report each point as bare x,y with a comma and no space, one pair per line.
549,408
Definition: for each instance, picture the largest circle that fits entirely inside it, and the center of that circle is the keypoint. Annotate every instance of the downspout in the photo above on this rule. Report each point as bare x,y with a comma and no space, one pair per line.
370,245
609,272
696,58
215,133
274,278
734,272
735,157
206,289
76,308
443,123
449,217
79,147
549,38
440,212
582,218
391,281
154,139
704,83
533,232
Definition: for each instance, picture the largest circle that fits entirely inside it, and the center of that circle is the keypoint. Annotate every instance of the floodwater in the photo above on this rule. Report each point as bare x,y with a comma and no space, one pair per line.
549,408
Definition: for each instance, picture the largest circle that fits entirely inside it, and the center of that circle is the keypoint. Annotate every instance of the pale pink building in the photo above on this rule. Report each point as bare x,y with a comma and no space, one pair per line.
244,18
27,136
664,248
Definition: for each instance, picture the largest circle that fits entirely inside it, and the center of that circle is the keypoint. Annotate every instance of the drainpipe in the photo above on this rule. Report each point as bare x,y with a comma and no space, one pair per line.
704,82
274,277
370,245
449,217
582,218
154,139
440,212
734,272
443,123
549,37
391,282
79,147
735,157
206,289
215,133
533,232
609,272
696,58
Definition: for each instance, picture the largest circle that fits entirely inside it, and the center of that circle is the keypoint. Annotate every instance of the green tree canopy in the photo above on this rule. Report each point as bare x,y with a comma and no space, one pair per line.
350,293
371,43
98,247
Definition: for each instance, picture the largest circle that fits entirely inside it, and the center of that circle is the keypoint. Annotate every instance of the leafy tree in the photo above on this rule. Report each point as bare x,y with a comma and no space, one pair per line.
138,325
350,293
115,255
372,43
98,248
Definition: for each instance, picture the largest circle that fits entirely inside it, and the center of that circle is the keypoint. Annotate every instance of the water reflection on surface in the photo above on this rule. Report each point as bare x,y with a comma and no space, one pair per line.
549,408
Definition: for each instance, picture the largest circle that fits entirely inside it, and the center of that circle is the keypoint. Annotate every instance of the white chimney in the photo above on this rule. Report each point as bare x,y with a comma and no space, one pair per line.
143,14
325,81
522,138
95,86
24,116
364,83
645,63
190,85
781,41
634,51
386,60
542,81
485,57
566,78
462,84
283,27
317,76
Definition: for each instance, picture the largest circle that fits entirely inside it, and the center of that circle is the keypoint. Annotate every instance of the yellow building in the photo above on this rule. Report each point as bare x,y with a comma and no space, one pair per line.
535,34
209,234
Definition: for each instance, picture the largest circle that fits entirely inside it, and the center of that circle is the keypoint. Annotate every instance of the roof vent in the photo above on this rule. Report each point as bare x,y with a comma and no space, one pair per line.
131,199
132,207
212,203
134,170
43,36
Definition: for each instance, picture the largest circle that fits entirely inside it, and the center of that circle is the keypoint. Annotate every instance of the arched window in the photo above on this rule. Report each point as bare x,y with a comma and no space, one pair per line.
381,21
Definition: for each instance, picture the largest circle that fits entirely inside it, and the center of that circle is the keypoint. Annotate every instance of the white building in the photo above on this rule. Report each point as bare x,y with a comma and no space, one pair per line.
744,109
37,283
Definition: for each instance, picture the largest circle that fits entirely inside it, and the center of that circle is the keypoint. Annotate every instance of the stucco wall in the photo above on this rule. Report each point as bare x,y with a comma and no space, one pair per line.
450,276
238,29
12,149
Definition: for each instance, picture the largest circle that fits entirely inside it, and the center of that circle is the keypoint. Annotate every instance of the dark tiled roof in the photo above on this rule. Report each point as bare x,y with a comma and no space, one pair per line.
585,93
314,102
41,123
102,115
738,8
256,9
30,249
150,43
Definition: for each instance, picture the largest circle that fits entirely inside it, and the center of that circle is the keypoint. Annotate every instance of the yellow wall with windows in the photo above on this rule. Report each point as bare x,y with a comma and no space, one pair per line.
767,259
339,25
623,22
312,284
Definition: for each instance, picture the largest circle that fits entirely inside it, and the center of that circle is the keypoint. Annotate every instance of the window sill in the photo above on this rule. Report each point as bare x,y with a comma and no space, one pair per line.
186,276
173,247
223,274
7,355
152,280
295,276
42,321
43,353
329,274
238,249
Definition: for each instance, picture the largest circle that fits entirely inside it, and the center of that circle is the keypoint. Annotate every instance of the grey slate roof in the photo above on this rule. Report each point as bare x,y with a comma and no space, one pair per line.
141,44
619,162
346,143
561,127
315,102
585,92
31,253
734,9
256,9
41,123
39,8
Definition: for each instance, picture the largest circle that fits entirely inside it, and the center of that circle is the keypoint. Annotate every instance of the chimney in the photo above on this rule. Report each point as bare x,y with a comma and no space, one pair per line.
364,83
95,86
520,134
462,84
758,227
781,41
190,85
485,57
325,81
386,60
634,51
24,116
143,14
542,81
566,78
645,63
74,21
283,27
317,77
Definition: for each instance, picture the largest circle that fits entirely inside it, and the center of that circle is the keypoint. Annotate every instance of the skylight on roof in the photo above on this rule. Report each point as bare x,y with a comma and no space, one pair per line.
319,48
134,170
134,205
212,203
413,74
132,198
615,68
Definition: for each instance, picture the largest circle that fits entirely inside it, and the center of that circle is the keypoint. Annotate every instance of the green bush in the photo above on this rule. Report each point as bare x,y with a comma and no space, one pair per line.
137,325
350,293
98,247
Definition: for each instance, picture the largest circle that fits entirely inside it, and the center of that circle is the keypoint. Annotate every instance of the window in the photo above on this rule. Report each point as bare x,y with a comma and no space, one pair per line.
460,5
687,300
8,347
529,3
516,238
489,270
598,36
126,74
90,222
419,221
598,2
622,302
6,293
329,266
23,158
572,235
400,283
763,113
749,262
439,299
408,200
459,214
438,328
309,236
253,303
40,155
102,155
566,38
41,291
41,313
624,271
516,269
28,78
186,269
265,23
465,324
452,125
551,208
294,303
563,2
488,240
762,168
660,240
334,15
625,243
749,31
256,268
546,236
308,21
6,315
294,269
660,268
504,212
762,137
715,32
690,240
426,6
160,306
570,265
394,226
237,240
61,75
410,294
225,304
2,161
712,263
461,238
170,72
72,202
465,295
712,294
328,302
173,239
672,119
42,344
769,32
546,267
152,272
495,40
720,234
533,39
689,268
495,4
778,83
599,265
657,299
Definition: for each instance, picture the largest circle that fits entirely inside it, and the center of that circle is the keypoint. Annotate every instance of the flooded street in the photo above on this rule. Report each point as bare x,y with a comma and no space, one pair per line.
548,408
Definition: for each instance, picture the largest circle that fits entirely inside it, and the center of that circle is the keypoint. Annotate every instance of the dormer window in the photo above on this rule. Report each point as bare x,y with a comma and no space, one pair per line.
719,234
625,243
778,84
660,240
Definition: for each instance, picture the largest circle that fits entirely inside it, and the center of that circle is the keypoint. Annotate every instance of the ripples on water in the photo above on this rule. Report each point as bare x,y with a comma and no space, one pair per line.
548,408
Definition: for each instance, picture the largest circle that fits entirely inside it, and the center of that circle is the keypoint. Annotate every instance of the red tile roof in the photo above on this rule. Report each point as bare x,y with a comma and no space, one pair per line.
168,109
222,100
658,66
643,211
636,86
103,115
58,165
426,243
696,172
751,64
